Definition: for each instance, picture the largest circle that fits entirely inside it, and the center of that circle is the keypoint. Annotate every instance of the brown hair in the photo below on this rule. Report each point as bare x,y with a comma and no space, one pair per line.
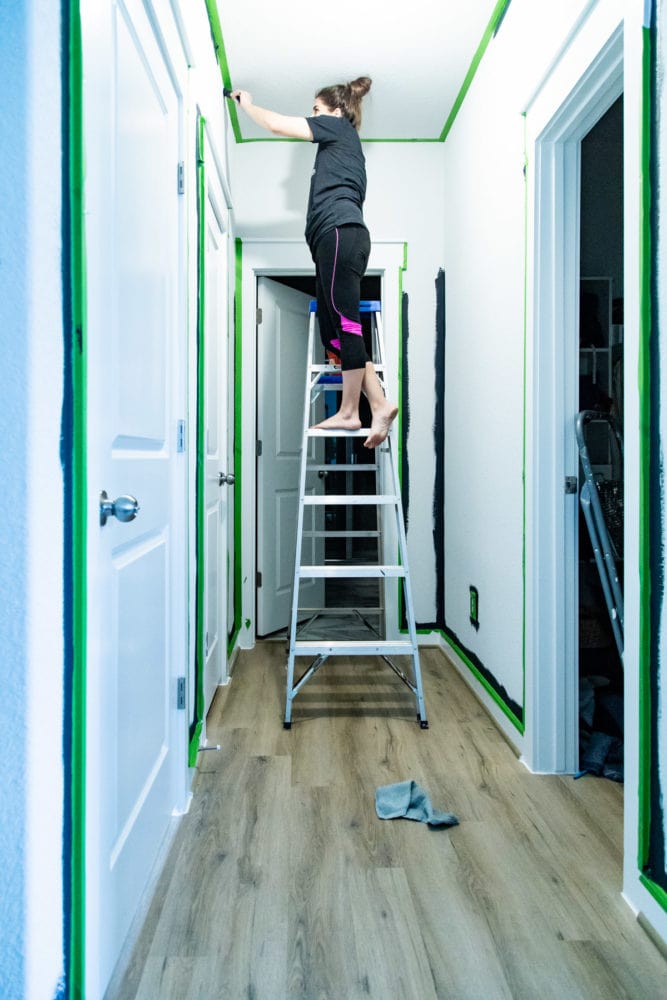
347,97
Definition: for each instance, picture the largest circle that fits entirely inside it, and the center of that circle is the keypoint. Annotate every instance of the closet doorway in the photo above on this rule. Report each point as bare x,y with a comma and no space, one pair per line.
600,430
562,368
274,575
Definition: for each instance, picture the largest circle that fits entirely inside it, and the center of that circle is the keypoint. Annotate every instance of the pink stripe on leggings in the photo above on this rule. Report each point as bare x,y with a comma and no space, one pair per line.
346,325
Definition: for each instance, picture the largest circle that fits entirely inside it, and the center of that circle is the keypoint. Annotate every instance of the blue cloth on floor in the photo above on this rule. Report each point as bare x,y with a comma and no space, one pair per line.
409,800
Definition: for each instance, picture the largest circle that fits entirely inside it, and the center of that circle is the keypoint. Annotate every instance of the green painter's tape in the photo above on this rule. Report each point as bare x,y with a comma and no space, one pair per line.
656,891
75,180
483,681
496,17
645,252
238,451
200,598
218,42
499,12
525,414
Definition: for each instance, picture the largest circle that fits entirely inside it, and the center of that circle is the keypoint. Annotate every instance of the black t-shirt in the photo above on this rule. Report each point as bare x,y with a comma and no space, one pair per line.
338,183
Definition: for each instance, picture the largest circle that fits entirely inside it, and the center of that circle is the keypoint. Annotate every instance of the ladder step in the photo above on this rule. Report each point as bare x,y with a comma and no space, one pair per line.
362,647
341,534
314,432
347,570
335,370
336,499
334,467
357,612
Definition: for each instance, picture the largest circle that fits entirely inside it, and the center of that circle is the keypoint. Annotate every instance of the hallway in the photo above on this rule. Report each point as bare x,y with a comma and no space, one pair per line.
282,882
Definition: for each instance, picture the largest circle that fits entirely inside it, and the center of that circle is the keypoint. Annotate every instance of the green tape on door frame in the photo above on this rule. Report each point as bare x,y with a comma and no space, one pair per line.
644,375
200,504
73,182
238,449
525,412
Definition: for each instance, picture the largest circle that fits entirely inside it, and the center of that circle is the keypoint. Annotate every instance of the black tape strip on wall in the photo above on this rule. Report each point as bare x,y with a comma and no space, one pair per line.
656,868
439,436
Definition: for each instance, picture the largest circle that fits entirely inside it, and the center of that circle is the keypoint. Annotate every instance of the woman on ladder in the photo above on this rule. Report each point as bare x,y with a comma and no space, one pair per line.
339,241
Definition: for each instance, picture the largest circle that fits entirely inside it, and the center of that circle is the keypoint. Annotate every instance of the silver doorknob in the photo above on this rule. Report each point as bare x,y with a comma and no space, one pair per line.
225,479
125,508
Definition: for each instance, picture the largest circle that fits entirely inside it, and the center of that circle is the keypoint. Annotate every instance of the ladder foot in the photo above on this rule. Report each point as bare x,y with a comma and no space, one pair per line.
423,723
287,725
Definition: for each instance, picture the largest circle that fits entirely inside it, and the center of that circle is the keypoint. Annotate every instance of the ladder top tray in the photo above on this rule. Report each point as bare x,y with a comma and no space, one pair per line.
365,306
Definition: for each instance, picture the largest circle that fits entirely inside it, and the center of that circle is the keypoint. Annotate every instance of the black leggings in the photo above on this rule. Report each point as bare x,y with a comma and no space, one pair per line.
341,256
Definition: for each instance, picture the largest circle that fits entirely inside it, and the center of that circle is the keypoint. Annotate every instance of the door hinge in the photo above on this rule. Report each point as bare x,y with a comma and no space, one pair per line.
180,693
259,317
180,435
259,579
571,484
207,644
258,449
181,177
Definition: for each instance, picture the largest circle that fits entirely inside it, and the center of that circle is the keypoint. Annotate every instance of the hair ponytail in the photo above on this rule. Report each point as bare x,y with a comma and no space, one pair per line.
347,97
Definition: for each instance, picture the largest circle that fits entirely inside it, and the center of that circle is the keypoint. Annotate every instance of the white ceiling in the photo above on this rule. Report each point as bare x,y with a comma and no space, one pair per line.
417,55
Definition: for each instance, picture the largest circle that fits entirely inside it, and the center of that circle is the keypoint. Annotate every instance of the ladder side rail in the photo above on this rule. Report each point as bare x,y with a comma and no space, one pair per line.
390,541
379,339
407,585
299,527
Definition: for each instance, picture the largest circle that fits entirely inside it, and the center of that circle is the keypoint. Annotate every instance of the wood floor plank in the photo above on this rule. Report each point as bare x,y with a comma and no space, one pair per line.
390,953
283,884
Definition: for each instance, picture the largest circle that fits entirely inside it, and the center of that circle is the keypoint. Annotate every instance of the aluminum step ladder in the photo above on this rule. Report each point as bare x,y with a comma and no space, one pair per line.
607,554
390,532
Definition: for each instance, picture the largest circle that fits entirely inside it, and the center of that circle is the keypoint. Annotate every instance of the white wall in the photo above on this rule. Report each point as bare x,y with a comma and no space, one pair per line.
405,202
31,511
485,248
484,261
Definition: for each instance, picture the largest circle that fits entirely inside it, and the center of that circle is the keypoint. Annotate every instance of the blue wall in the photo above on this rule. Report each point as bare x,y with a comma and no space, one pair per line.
14,303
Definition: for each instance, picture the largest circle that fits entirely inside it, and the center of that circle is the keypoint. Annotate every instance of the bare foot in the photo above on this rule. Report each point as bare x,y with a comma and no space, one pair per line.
382,421
339,423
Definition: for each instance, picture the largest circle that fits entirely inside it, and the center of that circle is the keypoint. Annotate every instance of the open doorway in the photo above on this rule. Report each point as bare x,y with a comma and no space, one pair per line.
276,490
563,114
600,432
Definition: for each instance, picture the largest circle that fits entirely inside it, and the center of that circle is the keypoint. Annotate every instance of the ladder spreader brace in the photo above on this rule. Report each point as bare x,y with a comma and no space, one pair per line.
386,499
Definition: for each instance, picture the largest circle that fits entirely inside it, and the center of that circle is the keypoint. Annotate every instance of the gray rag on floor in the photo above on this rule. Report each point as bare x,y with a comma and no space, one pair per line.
407,799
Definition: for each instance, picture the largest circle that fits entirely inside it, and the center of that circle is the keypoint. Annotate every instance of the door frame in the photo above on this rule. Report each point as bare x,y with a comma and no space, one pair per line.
580,89
274,258
212,190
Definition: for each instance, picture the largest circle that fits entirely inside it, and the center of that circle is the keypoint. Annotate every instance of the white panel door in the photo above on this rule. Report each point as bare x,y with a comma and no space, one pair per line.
281,372
137,600
217,494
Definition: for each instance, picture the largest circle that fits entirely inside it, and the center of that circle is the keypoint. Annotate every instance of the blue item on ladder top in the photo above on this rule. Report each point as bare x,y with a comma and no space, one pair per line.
365,306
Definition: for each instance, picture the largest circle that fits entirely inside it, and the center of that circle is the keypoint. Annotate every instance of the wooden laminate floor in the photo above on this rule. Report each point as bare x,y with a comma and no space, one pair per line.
283,883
